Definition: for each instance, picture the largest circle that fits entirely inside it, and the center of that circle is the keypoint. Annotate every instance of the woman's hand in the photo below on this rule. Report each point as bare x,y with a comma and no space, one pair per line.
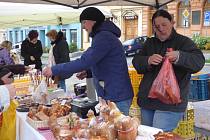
155,59
7,79
172,56
32,58
47,72
28,68
81,75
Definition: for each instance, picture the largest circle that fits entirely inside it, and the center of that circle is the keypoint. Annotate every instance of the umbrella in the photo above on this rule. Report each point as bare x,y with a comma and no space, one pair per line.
83,3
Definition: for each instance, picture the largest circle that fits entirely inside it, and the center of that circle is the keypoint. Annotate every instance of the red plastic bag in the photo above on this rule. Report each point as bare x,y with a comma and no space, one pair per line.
165,87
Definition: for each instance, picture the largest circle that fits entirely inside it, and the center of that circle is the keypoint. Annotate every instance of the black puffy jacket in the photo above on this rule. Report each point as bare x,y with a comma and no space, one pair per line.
191,60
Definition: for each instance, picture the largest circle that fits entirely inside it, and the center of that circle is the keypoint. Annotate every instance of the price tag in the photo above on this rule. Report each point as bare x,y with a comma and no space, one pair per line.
97,108
63,102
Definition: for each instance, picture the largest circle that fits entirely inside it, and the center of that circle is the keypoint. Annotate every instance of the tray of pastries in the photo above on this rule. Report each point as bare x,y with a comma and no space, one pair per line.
111,124
39,116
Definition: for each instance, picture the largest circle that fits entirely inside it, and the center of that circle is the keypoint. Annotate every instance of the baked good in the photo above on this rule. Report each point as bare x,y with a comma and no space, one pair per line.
41,116
167,136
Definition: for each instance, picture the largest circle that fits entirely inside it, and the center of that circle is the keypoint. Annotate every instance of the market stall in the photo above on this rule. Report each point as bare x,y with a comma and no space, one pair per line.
25,131
28,123
46,115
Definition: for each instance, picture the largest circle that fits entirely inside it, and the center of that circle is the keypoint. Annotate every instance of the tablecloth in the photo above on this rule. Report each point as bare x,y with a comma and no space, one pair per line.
26,132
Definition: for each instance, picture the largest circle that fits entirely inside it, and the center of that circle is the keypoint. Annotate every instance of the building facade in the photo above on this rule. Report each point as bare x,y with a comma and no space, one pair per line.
72,31
190,16
2,35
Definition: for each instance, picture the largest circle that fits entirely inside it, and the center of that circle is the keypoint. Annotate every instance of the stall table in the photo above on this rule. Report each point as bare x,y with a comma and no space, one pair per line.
24,131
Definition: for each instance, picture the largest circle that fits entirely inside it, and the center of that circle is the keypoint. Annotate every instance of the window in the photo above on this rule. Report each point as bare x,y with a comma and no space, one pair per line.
16,36
184,14
196,15
11,36
21,36
207,13
73,36
64,33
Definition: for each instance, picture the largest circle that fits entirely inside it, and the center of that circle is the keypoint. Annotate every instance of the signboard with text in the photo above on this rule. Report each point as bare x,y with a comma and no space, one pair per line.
207,18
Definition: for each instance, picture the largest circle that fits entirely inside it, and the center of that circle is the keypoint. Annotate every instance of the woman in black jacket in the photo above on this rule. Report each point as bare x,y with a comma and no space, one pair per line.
186,59
31,50
60,53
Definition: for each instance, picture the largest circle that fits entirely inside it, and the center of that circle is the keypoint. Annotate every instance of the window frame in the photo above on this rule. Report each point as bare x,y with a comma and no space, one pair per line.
181,8
197,22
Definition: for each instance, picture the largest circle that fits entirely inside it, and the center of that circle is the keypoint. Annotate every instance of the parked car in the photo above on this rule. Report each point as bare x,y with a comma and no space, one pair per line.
133,46
16,48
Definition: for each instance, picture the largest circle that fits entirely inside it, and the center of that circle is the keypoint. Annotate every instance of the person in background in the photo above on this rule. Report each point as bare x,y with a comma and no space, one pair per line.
105,58
58,54
7,44
5,58
7,92
31,50
186,59
14,55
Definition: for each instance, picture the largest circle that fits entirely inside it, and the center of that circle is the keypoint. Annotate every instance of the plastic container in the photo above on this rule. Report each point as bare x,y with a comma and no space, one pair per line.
134,102
199,76
135,112
185,129
135,90
134,77
199,90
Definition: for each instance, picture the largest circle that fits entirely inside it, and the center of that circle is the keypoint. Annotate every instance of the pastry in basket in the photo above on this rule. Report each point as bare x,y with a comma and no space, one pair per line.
42,116
73,121
44,112
167,136
82,134
66,134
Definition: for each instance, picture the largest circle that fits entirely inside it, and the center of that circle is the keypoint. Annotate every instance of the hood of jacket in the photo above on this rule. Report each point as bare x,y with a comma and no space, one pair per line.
107,26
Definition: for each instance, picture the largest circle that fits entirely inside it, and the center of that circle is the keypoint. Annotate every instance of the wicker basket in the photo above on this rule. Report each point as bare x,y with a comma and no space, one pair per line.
44,124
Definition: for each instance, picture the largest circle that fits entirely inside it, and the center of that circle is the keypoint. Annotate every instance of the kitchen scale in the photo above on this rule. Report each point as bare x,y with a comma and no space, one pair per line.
82,105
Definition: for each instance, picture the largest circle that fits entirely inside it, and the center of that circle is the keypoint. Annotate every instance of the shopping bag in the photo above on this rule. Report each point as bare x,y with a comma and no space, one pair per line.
165,87
8,128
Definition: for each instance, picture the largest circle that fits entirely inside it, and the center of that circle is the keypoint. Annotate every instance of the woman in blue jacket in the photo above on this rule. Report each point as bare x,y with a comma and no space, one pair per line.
105,58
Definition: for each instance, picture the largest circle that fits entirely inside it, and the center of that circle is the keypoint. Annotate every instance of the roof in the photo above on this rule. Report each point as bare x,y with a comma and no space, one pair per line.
84,3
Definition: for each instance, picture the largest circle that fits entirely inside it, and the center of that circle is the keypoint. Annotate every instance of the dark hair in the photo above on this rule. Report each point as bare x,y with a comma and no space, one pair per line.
161,13
33,34
60,36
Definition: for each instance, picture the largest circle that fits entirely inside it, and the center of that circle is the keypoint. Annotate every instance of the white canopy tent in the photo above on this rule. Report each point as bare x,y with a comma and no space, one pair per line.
83,3
27,15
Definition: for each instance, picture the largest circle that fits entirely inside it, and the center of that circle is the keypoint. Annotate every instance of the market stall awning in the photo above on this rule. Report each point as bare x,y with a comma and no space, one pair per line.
84,3
37,20
26,15
14,15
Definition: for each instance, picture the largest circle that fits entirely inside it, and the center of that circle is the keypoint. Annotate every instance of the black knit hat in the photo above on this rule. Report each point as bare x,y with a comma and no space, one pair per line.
92,13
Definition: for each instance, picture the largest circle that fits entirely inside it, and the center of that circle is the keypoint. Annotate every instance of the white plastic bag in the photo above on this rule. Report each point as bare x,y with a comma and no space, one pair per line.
40,94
